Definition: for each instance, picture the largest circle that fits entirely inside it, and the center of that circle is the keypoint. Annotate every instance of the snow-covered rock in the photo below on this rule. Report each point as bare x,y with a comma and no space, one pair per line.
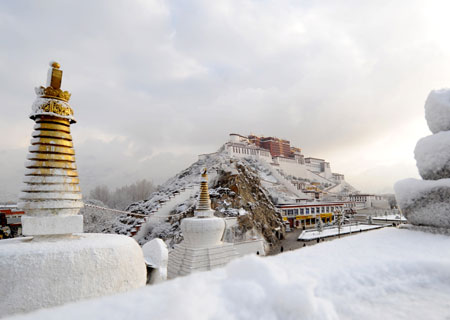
437,110
432,155
425,202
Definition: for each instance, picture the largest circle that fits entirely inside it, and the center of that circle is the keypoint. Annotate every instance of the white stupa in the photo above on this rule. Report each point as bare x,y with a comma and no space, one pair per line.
57,263
202,248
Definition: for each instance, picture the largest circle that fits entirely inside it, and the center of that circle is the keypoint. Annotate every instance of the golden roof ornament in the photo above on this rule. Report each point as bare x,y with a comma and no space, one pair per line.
51,99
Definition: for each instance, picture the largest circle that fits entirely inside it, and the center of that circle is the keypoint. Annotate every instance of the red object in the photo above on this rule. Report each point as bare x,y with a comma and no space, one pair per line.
16,215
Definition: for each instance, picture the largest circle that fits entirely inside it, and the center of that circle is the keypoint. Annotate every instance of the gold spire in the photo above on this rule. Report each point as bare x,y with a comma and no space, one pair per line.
204,203
53,89
51,100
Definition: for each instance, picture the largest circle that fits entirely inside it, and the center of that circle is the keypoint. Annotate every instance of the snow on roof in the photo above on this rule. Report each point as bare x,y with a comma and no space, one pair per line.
312,158
310,204
388,273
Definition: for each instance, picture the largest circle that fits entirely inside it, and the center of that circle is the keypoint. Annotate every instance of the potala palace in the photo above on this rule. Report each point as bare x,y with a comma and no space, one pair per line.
314,190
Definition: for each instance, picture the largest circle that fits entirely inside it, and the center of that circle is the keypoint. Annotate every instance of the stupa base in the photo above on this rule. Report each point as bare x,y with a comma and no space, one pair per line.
52,225
42,272
184,260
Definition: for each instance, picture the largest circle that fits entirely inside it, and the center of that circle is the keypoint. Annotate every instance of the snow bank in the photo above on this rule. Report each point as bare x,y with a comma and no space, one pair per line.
432,155
437,110
388,273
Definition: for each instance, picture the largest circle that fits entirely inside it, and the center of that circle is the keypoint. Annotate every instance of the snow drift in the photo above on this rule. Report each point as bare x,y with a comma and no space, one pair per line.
384,274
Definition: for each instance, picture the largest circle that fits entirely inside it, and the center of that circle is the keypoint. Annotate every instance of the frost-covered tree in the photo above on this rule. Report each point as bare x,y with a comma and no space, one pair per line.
121,197
320,225
101,193
339,221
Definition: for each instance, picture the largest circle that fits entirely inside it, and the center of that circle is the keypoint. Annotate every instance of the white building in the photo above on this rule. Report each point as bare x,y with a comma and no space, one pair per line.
364,201
312,169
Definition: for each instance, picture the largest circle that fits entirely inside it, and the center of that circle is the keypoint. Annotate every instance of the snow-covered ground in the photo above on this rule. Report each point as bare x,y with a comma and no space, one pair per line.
385,274
334,231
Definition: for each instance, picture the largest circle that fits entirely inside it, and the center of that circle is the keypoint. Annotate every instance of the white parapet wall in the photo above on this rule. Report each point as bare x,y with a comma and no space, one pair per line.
250,247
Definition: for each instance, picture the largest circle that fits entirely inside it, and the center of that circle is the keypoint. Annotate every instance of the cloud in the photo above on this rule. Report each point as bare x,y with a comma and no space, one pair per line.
167,80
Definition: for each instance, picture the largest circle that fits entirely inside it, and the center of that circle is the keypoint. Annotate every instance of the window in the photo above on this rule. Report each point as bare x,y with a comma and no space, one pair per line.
313,210
301,211
296,211
332,208
307,210
323,209
328,209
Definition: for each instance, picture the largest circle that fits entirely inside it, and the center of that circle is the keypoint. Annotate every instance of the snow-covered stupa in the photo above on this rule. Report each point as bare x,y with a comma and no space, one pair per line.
59,263
51,196
202,248
427,202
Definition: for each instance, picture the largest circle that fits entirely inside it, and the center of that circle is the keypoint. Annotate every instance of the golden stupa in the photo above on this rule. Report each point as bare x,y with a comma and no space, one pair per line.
51,196
204,203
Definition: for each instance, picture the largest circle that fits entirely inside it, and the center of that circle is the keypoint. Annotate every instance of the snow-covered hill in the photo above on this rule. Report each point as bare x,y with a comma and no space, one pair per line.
239,188
244,188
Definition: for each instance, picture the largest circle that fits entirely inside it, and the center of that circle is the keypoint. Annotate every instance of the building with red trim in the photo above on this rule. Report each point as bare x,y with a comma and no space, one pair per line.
305,215
11,222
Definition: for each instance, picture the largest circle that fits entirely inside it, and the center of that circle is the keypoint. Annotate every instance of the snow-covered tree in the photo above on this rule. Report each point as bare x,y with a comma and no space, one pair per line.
320,225
339,221
121,197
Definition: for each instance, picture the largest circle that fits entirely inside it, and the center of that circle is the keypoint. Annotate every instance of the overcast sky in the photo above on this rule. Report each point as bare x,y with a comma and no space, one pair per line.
155,83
